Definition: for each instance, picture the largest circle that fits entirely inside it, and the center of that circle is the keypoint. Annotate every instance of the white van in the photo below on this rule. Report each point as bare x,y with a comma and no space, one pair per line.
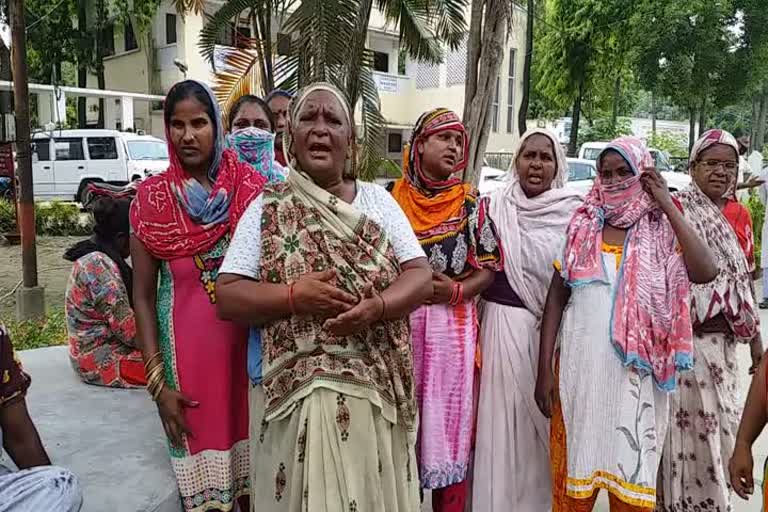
65,161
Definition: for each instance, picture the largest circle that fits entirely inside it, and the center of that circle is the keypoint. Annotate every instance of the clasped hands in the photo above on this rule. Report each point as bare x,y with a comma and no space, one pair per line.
344,313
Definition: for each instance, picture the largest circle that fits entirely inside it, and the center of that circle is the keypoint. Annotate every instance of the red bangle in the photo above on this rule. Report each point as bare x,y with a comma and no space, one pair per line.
454,295
291,305
460,298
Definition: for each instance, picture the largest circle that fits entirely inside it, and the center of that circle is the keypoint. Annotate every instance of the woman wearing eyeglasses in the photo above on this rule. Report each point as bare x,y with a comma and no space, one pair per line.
705,410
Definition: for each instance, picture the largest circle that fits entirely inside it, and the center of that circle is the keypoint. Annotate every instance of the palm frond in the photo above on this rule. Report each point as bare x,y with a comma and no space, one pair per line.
451,23
416,35
220,21
242,74
373,123
323,30
184,7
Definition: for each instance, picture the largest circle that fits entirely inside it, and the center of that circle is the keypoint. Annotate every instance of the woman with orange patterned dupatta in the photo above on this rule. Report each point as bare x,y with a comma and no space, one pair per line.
457,234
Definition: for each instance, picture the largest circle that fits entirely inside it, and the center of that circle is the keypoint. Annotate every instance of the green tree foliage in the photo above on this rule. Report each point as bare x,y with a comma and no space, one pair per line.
603,129
50,38
669,143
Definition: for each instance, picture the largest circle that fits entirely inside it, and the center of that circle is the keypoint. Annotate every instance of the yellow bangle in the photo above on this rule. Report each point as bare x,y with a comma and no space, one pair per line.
149,361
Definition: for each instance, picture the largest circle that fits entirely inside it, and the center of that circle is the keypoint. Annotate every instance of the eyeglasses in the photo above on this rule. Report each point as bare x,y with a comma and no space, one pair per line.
712,165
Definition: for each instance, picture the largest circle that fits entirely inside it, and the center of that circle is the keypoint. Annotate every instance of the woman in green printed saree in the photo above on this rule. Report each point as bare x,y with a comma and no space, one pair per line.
329,268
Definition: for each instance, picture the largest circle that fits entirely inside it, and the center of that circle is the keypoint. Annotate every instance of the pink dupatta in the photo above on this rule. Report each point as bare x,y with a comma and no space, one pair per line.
650,321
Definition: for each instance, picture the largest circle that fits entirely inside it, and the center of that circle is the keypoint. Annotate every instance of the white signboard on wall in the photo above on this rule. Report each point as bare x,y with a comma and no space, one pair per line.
386,83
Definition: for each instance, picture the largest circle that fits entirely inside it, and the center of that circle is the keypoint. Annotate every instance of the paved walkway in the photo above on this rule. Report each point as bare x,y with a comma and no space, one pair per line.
113,440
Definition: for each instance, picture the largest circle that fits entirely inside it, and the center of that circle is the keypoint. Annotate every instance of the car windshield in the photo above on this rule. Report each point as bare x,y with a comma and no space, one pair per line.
579,171
592,153
147,150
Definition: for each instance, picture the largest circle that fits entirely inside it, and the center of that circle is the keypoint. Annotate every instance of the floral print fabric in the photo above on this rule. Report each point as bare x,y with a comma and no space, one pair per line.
705,416
101,324
334,453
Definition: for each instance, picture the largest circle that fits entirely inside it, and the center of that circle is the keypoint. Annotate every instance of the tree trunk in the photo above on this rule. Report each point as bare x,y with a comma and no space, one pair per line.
99,64
477,116
756,100
653,113
522,116
263,22
761,121
474,50
23,149
616,98
573,142
703,117
691,128
82,64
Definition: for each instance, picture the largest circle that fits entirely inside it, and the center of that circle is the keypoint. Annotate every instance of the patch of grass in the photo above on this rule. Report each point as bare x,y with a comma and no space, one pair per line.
38,334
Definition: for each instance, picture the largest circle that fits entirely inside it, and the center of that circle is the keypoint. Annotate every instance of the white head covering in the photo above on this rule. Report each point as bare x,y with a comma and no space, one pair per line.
532,230
561,172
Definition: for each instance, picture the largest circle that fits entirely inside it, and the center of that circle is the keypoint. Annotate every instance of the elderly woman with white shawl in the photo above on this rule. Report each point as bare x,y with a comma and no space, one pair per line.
512,470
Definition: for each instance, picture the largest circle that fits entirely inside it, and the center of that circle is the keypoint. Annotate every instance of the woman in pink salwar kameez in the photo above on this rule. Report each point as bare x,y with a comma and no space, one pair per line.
181,223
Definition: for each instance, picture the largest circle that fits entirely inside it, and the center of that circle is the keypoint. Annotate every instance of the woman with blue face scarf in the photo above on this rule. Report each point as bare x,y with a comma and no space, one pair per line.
252,137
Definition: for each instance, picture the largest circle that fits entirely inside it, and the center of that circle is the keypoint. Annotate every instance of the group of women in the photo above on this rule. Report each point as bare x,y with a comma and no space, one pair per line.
315,342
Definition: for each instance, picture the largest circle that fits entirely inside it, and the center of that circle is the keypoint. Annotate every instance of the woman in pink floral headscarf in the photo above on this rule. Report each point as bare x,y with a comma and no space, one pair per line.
705,411
626,333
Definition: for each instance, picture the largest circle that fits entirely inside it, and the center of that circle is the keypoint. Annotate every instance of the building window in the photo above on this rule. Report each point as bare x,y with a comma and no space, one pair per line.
395,142
283,44
129,38
427,76
381,62
170,29
109,40
243,37
495,107
226,37
402,56
511,91
456,65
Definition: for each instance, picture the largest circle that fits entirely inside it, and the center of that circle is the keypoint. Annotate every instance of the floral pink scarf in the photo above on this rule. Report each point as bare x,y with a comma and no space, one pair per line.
650,321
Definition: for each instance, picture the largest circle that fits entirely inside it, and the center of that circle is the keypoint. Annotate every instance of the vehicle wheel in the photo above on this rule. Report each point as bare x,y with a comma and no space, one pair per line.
82,187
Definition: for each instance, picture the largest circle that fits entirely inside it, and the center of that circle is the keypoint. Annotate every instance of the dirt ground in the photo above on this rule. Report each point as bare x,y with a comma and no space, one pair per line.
53,272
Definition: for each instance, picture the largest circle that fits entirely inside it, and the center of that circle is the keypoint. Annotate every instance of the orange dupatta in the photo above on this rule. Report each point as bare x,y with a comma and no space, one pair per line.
425,212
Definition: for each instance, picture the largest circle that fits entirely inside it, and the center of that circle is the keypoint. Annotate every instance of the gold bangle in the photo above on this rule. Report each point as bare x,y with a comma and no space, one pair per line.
159,390
149,361
155,378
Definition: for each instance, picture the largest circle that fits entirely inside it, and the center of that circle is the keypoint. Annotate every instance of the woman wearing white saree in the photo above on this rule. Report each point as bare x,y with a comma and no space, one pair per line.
512,463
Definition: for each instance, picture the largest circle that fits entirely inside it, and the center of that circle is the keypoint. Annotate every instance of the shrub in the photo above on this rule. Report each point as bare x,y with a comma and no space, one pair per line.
40,333
52,219
7,216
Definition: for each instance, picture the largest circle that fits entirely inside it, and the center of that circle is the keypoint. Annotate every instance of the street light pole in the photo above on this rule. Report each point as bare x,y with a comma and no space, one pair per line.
30,299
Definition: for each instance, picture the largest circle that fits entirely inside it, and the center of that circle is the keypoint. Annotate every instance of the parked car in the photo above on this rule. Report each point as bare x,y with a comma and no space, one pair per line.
65,161
676,181
491,179
581,174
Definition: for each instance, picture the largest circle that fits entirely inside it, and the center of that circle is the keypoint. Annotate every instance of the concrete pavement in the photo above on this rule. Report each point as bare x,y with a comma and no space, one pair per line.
110,438
113,440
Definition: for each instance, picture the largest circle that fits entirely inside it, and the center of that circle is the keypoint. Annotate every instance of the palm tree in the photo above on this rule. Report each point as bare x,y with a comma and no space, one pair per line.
326,41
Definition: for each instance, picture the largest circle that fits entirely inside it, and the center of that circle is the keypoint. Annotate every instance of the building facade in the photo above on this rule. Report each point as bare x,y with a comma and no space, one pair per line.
406,87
